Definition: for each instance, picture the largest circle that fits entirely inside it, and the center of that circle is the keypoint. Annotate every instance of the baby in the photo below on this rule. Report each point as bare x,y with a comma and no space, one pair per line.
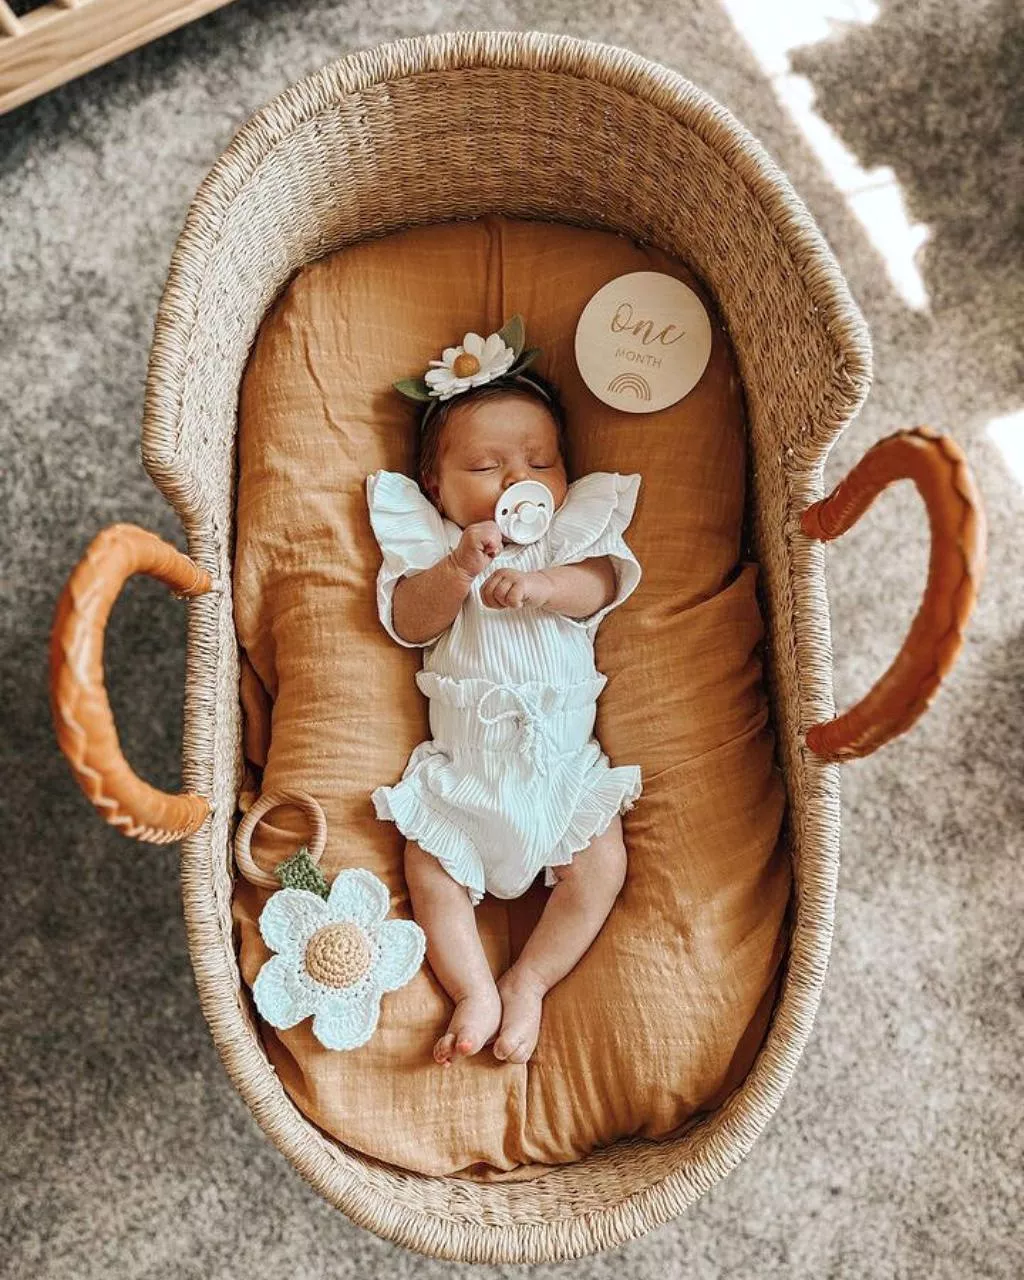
513,782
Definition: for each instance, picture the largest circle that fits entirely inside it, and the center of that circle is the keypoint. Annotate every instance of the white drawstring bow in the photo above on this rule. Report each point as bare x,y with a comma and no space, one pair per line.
534,738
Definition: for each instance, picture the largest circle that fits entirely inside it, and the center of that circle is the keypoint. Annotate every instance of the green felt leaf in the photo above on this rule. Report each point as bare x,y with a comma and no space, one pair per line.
528,357
414,388
513,334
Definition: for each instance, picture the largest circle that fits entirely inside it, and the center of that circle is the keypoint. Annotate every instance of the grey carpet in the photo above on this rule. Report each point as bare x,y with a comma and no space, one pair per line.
897,1151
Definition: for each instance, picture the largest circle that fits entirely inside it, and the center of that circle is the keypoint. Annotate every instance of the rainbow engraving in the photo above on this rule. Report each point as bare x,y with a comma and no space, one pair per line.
626,382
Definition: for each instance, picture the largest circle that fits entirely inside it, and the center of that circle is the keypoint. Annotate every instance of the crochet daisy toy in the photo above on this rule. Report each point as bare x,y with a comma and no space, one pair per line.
476,361
336,952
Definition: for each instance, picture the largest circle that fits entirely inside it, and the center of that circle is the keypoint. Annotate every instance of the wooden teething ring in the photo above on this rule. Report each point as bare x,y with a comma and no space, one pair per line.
81,711
272,800
938,467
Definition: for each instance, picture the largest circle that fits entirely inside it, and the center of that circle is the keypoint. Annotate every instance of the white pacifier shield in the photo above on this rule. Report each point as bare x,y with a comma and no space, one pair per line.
524,511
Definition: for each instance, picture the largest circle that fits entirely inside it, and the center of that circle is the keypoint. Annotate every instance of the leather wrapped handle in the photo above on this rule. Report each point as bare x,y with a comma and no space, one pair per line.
938,467
78,699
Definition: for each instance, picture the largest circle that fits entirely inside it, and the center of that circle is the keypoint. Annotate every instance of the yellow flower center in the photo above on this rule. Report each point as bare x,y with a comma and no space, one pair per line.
338,955
465,365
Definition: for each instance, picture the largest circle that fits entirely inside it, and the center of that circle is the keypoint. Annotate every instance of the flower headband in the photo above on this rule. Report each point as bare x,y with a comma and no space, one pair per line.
472,364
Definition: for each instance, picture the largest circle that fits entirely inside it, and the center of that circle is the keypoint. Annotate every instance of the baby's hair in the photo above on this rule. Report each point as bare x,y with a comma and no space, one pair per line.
430,435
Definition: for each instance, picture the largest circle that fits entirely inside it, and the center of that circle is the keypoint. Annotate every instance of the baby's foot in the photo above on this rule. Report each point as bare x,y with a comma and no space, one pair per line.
522,998
474,1023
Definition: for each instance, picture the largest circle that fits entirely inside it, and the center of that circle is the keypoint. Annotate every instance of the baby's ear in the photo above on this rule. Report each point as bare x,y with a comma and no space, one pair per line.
432,490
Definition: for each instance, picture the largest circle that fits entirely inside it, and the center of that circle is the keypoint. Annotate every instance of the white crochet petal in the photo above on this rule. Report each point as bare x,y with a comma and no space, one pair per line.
401,945
358,895
279,994
348,1020
450,354
290,918
439,377
474,344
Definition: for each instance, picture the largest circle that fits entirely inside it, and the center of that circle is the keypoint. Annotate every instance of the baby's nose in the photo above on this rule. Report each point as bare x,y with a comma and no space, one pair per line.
515,475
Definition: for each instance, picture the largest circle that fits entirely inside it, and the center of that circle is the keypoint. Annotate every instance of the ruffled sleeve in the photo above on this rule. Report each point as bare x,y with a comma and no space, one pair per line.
590,522
412,537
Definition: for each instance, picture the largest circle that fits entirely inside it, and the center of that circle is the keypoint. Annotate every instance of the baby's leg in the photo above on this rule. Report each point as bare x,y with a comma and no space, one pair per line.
573,915
444,911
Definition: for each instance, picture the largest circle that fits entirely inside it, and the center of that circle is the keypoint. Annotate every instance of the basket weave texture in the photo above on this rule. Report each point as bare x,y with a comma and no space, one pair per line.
533,126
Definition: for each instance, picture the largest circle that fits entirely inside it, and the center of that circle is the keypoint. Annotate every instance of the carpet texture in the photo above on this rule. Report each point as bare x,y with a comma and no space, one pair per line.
898,1149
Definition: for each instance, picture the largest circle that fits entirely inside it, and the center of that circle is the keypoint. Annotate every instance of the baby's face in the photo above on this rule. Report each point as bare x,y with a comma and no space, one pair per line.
489,445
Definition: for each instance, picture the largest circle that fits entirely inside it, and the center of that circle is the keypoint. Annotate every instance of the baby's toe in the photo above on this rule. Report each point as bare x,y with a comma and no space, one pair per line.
522,1052
504,1045
474,1023
443,1049
514,1047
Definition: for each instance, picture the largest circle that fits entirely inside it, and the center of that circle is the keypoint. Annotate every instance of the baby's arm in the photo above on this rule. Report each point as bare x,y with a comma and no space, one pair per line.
427,603
576,590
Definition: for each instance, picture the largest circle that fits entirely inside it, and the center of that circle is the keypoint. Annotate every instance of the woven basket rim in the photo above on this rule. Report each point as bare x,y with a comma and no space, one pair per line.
737,1124
613,65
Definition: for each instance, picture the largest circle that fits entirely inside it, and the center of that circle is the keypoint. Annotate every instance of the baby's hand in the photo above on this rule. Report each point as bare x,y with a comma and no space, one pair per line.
478,546
512,589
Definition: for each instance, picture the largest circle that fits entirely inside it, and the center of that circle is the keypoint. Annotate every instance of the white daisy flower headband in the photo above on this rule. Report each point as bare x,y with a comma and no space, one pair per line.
476,361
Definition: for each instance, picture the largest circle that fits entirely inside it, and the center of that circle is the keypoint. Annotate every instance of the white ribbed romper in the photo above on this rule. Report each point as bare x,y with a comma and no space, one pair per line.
514,780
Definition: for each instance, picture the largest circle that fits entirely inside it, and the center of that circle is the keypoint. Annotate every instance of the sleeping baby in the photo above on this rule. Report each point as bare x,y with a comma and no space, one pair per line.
513,781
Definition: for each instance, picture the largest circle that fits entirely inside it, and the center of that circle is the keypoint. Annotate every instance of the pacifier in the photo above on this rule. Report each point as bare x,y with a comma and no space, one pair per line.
524,511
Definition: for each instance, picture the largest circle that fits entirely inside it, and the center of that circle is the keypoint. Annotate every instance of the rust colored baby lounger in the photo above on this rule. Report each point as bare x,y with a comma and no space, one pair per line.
327,255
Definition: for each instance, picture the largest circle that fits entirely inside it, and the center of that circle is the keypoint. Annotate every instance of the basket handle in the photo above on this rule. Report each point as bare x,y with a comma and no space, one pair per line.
78,699
938,467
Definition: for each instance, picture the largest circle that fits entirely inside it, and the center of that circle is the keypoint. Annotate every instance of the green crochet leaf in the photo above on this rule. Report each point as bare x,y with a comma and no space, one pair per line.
414,388
301,872
513,334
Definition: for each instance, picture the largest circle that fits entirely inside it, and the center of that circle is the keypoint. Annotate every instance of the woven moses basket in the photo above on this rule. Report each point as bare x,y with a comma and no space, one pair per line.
581,133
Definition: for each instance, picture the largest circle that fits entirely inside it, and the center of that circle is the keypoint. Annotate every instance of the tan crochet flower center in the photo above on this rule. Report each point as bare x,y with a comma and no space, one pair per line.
465,365
338,955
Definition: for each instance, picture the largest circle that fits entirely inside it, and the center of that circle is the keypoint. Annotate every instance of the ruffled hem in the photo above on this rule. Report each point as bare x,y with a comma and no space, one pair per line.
617,792
405,804
415,812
